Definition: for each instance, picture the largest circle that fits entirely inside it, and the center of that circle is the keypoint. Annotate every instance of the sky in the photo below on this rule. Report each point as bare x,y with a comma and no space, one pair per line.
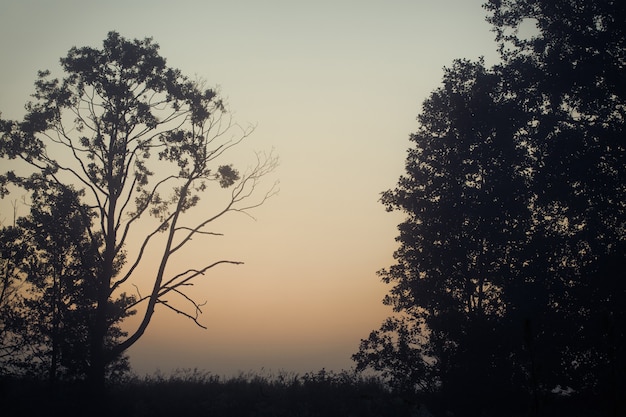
334,88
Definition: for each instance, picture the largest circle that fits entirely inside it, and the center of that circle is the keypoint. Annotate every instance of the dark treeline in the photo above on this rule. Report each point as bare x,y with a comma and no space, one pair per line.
510,278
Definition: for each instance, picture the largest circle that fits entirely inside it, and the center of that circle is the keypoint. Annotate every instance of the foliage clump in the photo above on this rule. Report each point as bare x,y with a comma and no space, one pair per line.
509,282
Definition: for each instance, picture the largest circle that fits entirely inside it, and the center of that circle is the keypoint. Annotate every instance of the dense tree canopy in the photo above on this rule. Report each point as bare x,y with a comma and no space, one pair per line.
135,139
56,265
509,281
570,75
465,196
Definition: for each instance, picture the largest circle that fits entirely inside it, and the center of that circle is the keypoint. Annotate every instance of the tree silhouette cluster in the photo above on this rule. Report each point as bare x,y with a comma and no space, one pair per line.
121,148
510,278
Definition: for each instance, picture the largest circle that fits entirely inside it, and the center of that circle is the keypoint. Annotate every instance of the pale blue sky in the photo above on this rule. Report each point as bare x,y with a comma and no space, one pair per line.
334,87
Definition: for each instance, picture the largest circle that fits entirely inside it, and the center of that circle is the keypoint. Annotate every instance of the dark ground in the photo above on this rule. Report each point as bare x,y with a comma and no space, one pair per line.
196,394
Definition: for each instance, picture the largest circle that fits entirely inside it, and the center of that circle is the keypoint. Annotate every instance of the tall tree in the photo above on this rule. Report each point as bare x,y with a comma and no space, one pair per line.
569,70
556,274
466,201
142,140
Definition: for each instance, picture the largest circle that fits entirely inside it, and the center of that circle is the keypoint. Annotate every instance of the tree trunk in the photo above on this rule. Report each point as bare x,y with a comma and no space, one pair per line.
97,364
100,328
55,328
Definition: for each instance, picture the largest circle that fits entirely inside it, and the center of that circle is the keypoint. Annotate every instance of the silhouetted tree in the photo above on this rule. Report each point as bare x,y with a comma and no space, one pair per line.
56,270
141,140
466,200
569,72
510,274
12,321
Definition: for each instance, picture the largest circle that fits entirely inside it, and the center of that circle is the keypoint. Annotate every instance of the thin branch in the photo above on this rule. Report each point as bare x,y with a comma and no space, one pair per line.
200,232
171,284
137,289
141,210
139,255
189,316
243,190
200,226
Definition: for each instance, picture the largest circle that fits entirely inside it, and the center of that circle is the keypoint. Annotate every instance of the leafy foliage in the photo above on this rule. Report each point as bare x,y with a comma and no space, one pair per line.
509,278
137,139
11,303
570,75
56,271
462,243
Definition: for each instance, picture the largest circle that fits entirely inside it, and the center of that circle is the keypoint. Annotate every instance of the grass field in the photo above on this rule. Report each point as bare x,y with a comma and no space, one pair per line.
195,393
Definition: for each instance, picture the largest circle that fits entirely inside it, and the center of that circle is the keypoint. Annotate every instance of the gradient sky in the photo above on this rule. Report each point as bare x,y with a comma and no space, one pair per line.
334,88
